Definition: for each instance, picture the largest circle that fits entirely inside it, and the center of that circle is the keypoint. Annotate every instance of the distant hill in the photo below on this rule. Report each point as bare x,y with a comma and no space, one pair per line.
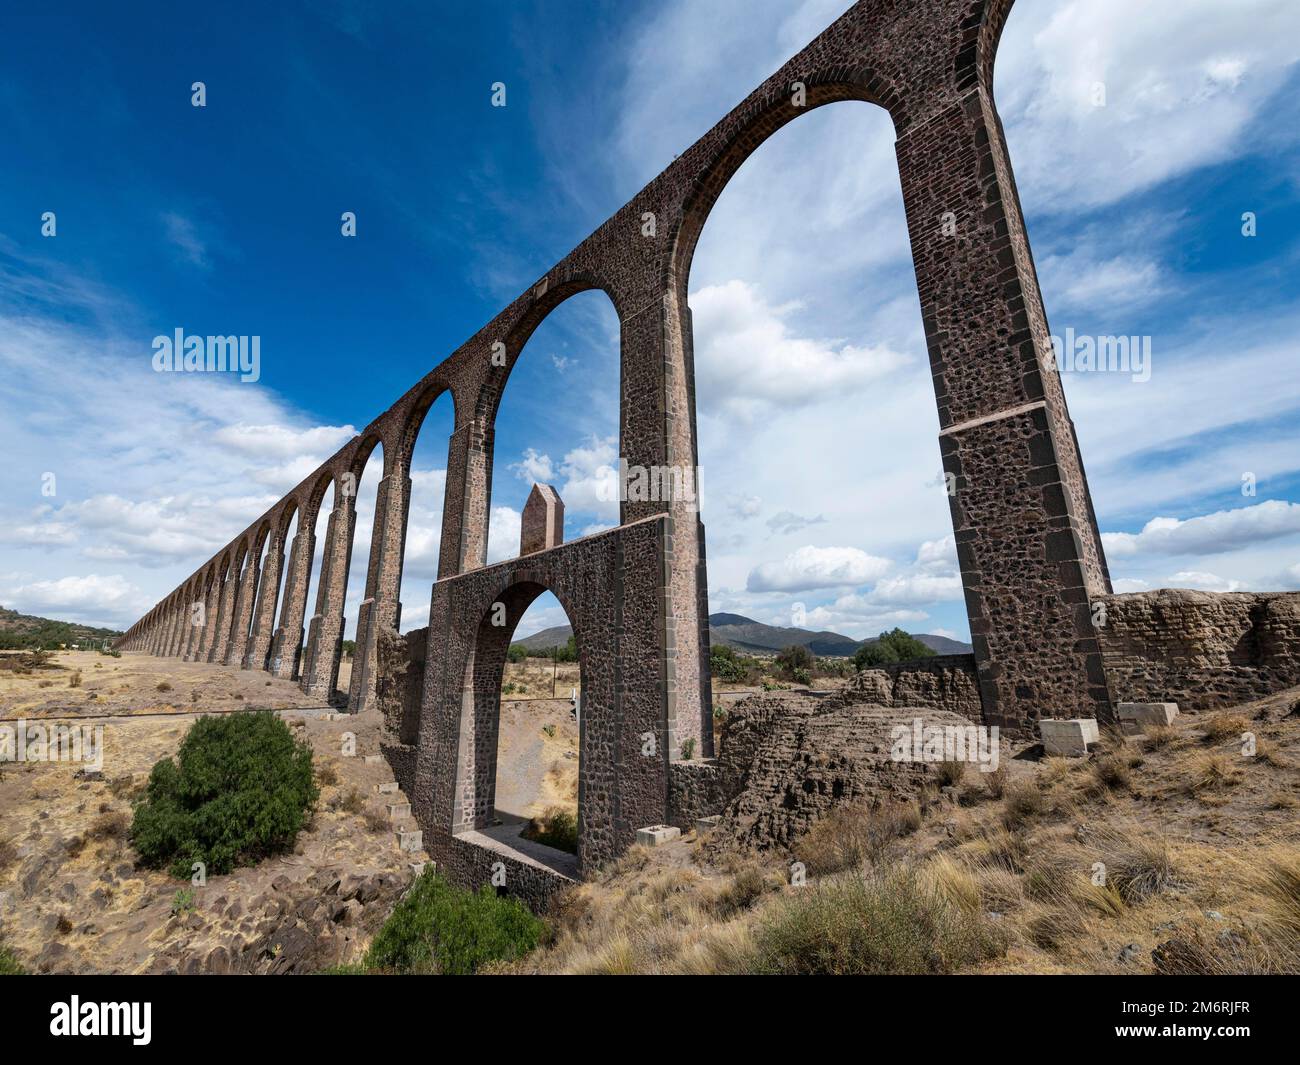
25,630
556,636
753,637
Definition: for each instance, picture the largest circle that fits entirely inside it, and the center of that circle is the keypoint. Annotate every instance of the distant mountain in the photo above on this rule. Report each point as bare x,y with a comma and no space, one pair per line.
26,630
753,637
556,636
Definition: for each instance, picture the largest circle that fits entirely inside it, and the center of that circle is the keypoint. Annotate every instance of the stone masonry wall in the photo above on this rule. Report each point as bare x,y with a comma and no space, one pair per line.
942,682
1200,649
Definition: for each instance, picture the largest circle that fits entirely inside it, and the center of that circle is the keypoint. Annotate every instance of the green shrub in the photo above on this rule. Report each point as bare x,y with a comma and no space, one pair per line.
888,924
893,646
240,789
438,928
9,965
725,665
796,663
517,652
556,828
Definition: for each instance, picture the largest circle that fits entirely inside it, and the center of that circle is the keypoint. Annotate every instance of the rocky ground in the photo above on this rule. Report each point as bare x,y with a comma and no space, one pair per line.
71,896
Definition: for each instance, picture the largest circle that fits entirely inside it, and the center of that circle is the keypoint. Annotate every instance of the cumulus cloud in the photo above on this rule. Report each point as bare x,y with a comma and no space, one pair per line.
278,441
1205,582
1224,530
588,477
104,601
1156,90
817,567
748,360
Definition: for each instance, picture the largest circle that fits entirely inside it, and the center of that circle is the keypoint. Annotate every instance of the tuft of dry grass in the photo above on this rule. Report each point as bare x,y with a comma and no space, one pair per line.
1212,773
74,681
1223,726
855,834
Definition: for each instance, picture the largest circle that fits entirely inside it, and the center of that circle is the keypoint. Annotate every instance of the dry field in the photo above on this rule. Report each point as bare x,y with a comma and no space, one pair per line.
1166,853
71,896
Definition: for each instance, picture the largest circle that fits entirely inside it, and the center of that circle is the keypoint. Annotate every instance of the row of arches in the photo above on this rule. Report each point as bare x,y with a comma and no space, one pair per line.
1002,415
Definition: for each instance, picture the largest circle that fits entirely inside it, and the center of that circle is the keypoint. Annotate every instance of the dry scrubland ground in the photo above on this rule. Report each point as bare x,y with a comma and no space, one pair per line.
71,896
1200,848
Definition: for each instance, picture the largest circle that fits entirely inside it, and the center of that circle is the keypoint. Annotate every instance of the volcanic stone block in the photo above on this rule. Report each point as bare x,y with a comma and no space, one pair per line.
542,524
1068,739
1138,717
654,835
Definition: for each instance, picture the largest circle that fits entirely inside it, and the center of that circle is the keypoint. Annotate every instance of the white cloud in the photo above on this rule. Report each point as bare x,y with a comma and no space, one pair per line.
747,360
504,526
104,601
1224,530
534,467
817,567
1205,582
789,522
1181,80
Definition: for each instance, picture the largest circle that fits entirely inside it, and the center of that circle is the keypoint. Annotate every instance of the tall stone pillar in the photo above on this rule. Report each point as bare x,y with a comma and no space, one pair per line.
382,606
658,446
268,591
245,598
192,624
286,650
325,643
466,496
225,610
1027,540
211,618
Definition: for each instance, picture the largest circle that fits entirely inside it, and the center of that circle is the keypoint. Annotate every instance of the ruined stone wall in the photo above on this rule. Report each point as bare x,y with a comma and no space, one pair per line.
1200,649
695,789
788,759
942,682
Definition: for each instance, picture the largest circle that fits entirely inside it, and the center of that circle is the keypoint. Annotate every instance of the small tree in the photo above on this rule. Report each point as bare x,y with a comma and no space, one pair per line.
517,653
796,663
893,646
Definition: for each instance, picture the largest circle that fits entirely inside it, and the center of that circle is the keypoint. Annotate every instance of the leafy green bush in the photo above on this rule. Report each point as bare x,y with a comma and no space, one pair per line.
437,928
557,828
727,666
517,652
893,646
796,663
242,790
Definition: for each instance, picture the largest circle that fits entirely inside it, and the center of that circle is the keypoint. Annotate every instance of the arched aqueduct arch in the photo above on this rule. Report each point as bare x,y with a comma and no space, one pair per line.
1027,539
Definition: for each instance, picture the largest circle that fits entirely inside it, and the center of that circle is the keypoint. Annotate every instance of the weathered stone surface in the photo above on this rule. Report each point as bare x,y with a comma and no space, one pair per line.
786,760
656,835
542,523
1064,738
1201,650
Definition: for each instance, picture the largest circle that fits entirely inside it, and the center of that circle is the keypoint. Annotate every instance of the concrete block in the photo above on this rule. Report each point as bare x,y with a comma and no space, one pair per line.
1068,739
397,811
1143,715
418,867
410,840
373,759
705,825
654,835
386,788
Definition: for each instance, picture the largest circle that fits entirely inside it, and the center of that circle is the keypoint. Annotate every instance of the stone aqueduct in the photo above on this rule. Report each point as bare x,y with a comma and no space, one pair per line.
1027,539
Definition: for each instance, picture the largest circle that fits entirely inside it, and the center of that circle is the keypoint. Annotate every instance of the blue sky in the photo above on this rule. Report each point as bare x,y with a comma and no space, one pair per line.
817,424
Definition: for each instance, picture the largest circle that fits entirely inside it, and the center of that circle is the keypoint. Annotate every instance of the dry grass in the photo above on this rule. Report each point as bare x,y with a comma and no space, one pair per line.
1223,726
852,835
